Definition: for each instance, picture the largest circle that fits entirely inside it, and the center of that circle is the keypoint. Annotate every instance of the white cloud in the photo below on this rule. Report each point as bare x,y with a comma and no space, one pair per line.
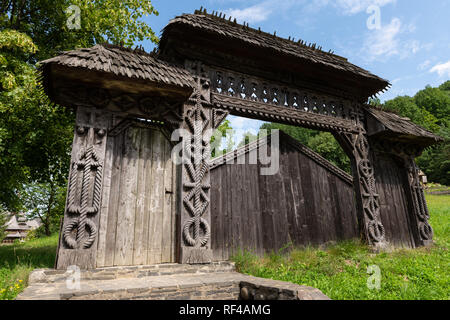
383,42
256,13
348,7
442,69
380,44
424,65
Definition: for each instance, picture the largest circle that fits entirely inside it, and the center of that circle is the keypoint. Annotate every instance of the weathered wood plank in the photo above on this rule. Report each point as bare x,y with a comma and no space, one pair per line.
156,201
140,229
123,254
167,237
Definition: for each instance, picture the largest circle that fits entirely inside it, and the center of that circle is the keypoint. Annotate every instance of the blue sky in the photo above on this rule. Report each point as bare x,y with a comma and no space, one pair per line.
410,46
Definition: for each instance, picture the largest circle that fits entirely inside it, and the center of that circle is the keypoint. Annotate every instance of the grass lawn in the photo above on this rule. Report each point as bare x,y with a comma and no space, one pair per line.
339,271
18,260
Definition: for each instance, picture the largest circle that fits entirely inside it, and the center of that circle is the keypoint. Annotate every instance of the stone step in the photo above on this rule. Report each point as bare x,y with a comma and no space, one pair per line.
216,281
111,273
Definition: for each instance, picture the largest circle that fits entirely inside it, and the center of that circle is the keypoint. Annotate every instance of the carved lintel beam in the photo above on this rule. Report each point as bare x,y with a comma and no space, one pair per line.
255,109
367,198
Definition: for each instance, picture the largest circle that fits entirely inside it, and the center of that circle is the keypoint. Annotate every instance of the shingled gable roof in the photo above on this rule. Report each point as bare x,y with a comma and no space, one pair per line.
123,62
221,27
393,126
287,139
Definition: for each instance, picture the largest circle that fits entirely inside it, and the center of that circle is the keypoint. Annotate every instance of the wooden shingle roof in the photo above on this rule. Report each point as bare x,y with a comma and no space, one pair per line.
223,28
124,62
391,125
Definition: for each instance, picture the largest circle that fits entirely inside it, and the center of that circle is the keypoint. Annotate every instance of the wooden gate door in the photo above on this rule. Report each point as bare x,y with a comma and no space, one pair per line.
139,225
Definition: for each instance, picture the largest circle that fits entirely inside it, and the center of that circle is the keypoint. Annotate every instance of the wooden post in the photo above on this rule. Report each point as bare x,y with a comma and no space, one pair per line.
78,242
419,210
194,187
371,229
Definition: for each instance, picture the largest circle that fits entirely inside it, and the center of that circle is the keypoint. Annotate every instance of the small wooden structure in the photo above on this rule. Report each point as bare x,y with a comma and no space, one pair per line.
127,204
18,227
308,201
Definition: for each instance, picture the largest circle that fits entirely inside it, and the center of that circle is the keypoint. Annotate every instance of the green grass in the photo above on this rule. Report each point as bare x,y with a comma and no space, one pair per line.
340,271
18,260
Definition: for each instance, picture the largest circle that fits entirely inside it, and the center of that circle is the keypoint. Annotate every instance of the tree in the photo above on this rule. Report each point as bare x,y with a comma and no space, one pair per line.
224,131
430,108
48,22
326,145
407,107
435,101
247,138
321,142
44,201
3,222
36,135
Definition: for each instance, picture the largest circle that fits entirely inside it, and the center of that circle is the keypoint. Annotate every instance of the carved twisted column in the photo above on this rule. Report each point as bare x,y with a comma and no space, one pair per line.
419,204
195,178
367,199
79,232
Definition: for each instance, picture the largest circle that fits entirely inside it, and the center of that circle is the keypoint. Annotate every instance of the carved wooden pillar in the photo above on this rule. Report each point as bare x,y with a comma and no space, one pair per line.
418,213
367,202
78,237
195,229
419,205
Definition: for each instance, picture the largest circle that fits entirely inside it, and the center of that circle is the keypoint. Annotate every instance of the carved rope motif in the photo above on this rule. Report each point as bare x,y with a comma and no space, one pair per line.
195,160
370,198
88,164
420,204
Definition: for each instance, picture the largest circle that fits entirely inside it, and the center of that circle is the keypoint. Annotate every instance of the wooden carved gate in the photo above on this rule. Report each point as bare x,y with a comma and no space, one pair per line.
205,68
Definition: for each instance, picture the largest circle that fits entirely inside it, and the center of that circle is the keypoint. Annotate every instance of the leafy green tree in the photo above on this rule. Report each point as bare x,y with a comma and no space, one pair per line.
247,138
46,22
435,160
326,145
3,221
44,201
36,135
321,142
224,131
407,107
301,134
445,87
435,101
430,108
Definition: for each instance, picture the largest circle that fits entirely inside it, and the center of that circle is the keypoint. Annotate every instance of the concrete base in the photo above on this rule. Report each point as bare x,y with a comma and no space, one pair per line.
216,281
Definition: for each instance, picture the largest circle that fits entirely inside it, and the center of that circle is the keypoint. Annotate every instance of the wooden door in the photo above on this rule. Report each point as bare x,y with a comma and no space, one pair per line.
137,224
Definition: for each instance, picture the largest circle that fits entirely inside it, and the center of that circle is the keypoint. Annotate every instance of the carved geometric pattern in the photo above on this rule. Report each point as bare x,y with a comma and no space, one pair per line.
420,204
196,153
370,198
90,165
218,116
274,113
251,88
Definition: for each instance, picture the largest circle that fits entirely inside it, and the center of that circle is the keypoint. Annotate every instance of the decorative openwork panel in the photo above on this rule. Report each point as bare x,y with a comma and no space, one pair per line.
253,97
250,88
